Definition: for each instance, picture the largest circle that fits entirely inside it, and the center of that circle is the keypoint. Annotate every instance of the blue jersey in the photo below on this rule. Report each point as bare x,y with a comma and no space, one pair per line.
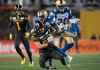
62,16
76,23
71,29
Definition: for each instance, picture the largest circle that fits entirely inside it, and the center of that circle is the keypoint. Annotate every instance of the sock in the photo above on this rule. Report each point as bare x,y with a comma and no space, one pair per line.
67,46
50,61
29,55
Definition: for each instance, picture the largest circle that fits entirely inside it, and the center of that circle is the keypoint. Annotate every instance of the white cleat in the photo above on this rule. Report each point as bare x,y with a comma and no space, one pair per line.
31,64
69,59
68,65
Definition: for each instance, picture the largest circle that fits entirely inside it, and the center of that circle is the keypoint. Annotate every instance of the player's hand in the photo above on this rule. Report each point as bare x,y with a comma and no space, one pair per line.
32,30
27,34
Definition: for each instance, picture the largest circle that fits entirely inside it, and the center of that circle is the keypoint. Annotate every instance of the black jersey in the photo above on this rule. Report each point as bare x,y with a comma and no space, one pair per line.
21,23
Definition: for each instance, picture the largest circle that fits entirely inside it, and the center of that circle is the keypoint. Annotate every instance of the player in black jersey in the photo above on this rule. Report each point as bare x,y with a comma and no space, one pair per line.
23,28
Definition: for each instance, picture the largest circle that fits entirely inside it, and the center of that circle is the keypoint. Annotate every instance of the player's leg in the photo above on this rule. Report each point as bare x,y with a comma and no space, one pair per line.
76,46
50,62
61,52
67,47
43,58
53,47
17,42
55,54
27,47
65,60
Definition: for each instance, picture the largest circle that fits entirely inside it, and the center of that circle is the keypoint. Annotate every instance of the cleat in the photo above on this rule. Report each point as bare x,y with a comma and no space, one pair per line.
51,67
23,61
69,59
31,64
68,65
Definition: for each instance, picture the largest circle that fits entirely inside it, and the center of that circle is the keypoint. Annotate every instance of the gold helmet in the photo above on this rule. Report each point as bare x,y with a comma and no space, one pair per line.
42,13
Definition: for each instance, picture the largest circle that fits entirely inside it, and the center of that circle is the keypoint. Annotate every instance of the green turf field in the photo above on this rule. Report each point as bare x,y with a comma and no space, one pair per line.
79,62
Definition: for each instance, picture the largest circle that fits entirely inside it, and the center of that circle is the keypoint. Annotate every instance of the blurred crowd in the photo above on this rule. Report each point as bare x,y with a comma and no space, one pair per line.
37,4
32,6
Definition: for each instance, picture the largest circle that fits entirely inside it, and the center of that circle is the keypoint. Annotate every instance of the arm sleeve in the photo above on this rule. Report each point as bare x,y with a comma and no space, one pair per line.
70,12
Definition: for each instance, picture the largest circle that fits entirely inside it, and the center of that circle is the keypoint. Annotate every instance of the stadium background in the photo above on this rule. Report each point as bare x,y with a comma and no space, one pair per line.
88,11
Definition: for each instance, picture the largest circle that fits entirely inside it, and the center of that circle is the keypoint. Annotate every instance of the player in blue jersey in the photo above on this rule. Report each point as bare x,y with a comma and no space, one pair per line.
76,21
61,13
70,32
62,17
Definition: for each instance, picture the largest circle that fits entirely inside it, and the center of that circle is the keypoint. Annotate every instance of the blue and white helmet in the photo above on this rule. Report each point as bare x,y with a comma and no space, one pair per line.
60,3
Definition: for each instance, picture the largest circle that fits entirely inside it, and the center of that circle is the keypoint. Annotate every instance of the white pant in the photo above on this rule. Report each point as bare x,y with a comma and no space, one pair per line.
54,40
